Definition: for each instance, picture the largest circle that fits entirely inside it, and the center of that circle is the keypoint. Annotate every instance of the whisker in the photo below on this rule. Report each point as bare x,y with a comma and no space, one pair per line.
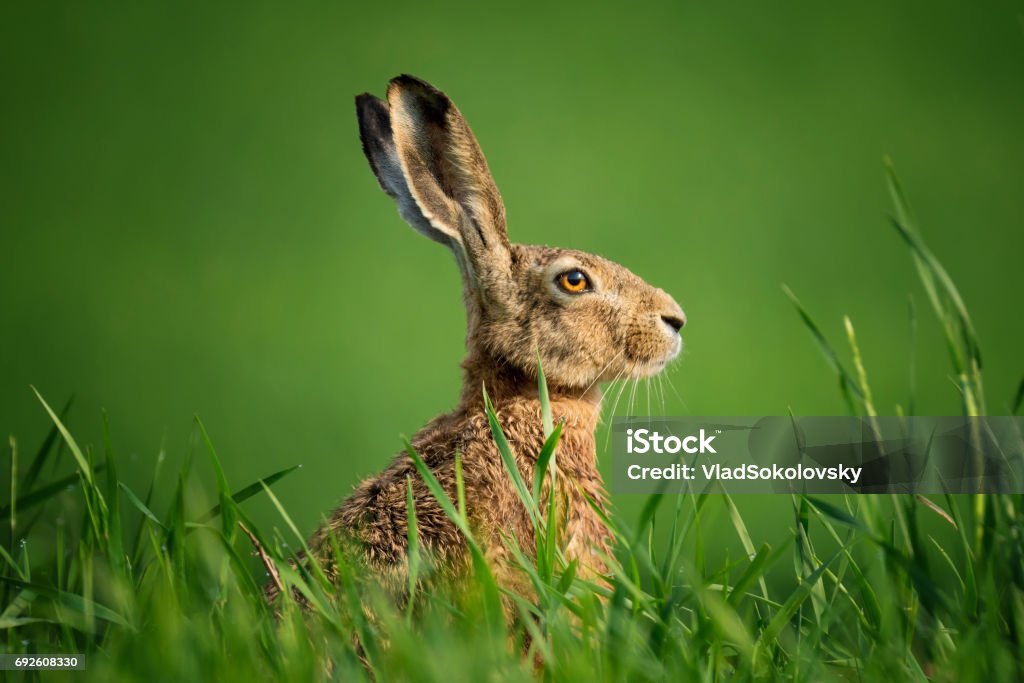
672,386
622,388
598,376
632,396
618,396
654,390
625,394
637,393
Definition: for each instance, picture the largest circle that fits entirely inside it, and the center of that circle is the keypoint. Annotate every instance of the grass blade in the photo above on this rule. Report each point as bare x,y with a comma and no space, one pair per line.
249,491
847,384
789,607
134,500
489,587
543,460
70,601
765,558
36,466
509,460
413,540
41,495
83,464
12,508
545,401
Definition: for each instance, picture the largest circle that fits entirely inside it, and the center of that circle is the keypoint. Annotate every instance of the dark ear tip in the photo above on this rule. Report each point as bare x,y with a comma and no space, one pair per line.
419,89
372,113
406,80
368,102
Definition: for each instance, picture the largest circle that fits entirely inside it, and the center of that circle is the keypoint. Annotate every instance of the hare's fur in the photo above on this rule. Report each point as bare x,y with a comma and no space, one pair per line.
425,156
375,514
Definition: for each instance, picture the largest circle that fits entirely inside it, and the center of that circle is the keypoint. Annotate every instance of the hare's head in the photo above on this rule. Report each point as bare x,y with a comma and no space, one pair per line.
591,320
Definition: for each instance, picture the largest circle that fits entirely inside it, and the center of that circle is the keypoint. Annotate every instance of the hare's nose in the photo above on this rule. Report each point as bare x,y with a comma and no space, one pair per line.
674,321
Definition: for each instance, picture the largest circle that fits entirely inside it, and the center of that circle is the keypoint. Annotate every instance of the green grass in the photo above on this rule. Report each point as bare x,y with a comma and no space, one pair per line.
893,588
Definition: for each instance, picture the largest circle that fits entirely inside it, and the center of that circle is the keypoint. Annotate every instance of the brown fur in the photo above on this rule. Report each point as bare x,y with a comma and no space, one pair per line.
426,157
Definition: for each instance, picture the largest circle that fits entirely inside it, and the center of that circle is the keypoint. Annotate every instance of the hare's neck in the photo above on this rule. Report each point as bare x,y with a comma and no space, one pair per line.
507,385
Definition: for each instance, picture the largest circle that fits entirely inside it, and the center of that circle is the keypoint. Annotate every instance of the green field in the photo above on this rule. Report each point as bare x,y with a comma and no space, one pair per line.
188,227
859,587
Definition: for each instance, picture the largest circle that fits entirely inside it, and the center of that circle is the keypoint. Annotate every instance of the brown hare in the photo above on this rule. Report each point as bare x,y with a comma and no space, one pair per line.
589,319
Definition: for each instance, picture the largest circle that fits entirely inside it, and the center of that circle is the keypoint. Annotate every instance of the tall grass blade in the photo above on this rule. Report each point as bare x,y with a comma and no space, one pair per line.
12,507
245,493
912,361
489,588
69,601
793,602
139,505
762,561
229,516
545,400
509,460
114,536
847,385
544,459
413,540
460,486
937,280
748,544
83,464
36,466
43,494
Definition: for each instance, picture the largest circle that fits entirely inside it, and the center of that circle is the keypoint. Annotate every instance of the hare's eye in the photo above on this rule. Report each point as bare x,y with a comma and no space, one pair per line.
573,281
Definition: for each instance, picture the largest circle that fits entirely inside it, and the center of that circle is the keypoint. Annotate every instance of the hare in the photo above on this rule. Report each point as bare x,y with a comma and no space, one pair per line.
589,319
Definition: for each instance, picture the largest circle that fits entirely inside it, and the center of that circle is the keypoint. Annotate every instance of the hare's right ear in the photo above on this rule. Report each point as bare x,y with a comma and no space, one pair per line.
379,147
426,157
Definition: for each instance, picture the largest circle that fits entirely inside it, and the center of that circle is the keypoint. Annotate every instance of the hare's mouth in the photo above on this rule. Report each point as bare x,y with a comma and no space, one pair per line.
652,366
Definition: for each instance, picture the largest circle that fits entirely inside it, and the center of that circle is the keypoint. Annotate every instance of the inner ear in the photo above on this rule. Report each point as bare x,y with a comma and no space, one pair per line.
379,147
449,179
428,109
442,158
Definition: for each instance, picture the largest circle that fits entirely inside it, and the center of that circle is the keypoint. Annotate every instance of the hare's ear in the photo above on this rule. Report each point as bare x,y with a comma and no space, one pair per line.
447,176
379,147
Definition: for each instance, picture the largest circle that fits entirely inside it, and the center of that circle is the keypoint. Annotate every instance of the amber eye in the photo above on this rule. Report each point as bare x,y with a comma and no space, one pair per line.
573,281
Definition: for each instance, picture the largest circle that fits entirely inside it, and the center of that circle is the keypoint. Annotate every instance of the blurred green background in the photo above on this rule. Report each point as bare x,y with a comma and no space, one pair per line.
188,226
